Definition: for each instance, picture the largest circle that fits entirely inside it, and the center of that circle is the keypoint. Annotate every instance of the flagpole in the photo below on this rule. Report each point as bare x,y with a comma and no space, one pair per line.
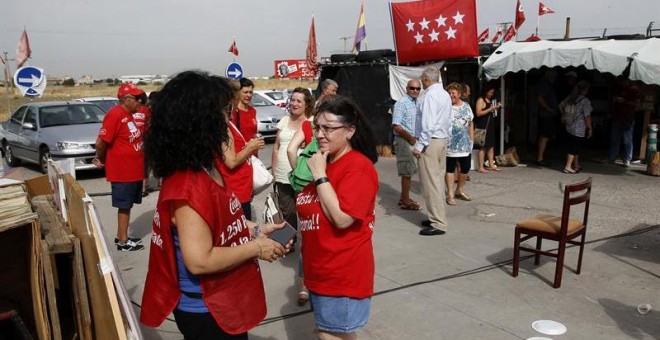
233,58
396,49
538,23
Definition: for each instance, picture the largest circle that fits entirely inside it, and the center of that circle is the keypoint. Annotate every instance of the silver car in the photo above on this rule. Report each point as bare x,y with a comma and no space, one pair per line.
36,132
268,115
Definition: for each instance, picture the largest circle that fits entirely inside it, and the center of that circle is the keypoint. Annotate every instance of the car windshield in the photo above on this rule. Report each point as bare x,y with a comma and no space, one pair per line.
70,115
259,100
104,104
277,95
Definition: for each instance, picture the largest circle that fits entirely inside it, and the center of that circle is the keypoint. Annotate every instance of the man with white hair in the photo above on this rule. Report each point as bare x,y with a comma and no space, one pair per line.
433,129
329,87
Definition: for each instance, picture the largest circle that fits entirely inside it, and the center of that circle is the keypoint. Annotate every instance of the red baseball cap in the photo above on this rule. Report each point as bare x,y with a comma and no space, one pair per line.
129,89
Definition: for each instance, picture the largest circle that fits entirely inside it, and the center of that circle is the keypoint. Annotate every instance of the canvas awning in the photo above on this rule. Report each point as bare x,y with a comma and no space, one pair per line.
612,56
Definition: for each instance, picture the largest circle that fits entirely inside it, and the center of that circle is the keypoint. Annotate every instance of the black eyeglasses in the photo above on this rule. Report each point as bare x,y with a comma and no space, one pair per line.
326,129
414,88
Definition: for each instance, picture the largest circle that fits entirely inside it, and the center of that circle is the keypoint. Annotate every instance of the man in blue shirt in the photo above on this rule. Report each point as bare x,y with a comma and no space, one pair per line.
403,124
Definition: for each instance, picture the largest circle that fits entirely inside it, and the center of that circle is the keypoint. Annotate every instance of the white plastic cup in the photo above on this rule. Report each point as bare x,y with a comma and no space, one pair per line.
644,308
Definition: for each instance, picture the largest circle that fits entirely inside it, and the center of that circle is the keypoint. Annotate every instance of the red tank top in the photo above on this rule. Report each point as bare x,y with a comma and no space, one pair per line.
238,179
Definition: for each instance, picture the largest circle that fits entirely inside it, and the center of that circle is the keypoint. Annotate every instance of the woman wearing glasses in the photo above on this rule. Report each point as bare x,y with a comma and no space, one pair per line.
337,219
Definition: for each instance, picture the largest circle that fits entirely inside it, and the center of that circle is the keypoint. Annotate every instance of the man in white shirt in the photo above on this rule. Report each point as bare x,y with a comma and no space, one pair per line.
433,129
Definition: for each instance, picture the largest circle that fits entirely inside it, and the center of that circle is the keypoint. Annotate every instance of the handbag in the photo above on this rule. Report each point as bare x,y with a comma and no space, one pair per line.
261,177
301,175
480,135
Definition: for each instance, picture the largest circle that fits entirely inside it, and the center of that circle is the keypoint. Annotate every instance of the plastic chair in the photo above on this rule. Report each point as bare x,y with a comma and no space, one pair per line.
561,229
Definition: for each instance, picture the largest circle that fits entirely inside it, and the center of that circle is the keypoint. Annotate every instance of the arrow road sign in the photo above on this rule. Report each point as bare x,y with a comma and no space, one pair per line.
31,81
234,71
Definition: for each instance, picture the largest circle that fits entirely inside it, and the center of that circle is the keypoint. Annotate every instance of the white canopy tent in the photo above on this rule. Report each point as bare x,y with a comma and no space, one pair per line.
611,56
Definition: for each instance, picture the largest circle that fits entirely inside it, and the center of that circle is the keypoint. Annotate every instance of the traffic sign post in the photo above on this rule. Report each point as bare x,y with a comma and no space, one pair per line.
31,81
234,71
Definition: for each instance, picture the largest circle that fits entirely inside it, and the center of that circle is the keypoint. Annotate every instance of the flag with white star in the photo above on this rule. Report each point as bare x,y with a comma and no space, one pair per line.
432,30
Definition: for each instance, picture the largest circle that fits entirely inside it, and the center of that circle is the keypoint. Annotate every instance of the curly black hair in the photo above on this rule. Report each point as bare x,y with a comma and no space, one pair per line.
188,127
349,113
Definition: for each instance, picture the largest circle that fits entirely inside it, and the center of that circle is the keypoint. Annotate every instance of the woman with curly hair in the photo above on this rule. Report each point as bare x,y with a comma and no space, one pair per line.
203,264
337,220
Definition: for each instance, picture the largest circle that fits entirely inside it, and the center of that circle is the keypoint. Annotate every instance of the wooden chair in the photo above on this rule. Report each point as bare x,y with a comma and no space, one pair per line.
562,229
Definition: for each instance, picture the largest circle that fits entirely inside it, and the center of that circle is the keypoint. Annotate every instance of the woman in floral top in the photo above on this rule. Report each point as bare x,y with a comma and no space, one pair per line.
459,148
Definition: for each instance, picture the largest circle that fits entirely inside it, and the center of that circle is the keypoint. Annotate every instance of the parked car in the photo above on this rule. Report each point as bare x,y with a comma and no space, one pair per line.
268,115
105,103
280,98
38,131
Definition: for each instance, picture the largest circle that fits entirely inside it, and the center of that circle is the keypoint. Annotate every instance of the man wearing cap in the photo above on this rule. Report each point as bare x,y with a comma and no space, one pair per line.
119,149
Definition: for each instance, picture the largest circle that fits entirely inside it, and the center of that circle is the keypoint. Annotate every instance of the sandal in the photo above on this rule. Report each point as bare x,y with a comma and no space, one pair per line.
569,171
494,168
463,196
303,297
411,205
451,201
483,171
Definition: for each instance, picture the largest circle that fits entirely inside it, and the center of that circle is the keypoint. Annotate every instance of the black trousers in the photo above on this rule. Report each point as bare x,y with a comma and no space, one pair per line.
202,326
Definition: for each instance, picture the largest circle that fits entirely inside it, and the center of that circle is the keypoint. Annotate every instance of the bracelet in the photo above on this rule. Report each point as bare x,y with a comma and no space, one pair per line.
321,181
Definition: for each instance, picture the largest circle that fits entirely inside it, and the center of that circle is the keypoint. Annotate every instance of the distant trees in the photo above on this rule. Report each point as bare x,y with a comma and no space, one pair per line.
68,82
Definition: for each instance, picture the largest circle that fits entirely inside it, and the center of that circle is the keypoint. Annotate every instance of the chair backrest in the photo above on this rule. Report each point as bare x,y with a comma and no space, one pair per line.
574,194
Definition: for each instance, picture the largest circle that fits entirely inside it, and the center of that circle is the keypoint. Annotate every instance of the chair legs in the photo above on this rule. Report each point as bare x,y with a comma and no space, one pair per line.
579,265
560,264
516,253
537,256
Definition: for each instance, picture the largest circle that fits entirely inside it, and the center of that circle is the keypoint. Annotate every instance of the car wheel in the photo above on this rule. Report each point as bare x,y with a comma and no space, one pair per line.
9,156
44,156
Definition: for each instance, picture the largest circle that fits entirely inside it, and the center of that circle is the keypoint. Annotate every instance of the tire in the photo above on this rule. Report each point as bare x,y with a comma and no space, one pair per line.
44,156
9,156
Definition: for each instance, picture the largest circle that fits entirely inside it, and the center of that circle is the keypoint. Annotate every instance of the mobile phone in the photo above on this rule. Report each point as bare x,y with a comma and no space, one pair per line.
283,235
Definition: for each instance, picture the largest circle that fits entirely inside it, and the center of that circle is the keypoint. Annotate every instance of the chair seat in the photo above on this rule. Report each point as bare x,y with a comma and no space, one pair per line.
549,224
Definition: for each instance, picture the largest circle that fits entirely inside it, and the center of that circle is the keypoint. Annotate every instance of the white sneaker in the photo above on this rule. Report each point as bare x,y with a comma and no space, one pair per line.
626,164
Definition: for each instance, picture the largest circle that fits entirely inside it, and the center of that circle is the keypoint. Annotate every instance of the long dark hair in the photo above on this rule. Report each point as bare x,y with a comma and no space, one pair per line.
187,126
350,114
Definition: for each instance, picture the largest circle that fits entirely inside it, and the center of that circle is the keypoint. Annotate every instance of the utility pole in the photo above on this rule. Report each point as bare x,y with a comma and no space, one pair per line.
345,38
5,61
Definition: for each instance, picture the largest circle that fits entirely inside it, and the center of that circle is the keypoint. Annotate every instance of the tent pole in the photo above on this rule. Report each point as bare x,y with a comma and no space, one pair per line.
504,106
525,116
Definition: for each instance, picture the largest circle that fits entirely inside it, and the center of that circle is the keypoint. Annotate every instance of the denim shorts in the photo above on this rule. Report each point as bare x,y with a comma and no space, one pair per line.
124,195
339,314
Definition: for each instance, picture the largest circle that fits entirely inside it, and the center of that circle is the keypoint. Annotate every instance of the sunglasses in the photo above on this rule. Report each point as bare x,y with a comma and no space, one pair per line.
326,129
411,88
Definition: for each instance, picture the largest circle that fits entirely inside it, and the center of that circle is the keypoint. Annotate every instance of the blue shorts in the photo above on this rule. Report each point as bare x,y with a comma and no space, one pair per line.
124,195
339,314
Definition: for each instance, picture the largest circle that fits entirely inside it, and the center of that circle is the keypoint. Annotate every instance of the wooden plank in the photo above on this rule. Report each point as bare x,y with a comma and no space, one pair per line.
53,228
37,285
81,307
50,292
103,320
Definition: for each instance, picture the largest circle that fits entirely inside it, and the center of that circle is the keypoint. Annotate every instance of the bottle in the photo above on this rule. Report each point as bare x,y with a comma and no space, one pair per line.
494,101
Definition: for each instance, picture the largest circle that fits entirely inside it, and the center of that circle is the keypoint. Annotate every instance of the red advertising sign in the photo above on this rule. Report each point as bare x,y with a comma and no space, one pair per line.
293,69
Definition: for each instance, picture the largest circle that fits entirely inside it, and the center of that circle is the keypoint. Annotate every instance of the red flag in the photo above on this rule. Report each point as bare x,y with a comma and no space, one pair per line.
233,49
498,35
23,51
543,9
312,65
510,33
434,29
483,36
520,15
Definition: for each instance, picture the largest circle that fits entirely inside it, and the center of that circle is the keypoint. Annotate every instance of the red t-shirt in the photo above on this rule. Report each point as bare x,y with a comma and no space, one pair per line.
236,297
142,118
340,262
246,121
238,179
124,161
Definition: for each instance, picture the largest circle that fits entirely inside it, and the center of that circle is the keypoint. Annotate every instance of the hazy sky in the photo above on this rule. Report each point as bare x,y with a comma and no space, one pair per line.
112,38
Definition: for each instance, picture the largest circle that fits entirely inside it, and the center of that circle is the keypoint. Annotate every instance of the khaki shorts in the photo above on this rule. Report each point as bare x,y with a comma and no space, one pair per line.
406,163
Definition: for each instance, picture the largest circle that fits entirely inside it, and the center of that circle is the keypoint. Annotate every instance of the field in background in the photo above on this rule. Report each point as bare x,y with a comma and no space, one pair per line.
103,90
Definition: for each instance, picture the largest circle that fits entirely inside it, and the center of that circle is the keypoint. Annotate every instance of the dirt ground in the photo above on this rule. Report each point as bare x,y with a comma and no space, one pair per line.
98,90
